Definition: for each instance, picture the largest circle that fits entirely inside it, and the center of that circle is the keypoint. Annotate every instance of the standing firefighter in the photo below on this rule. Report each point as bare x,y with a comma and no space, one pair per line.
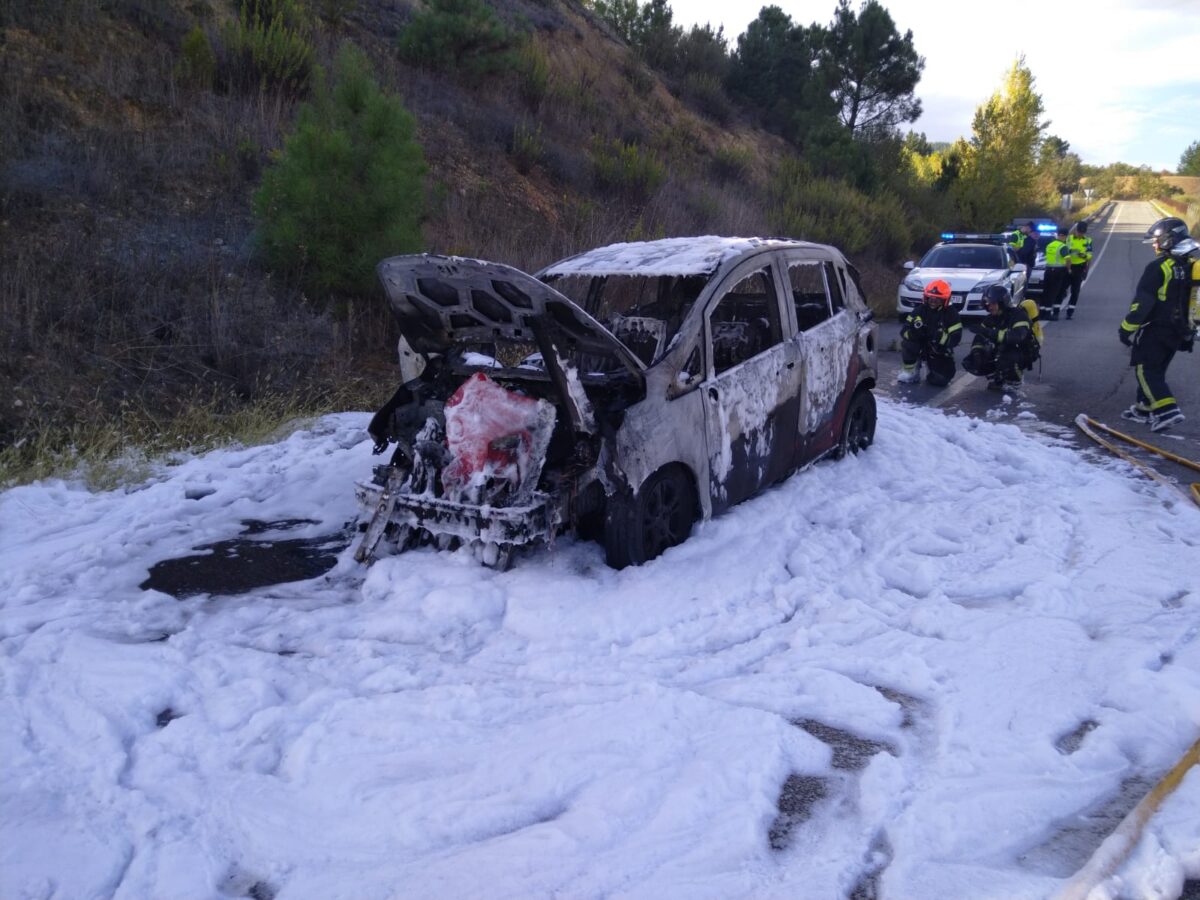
1004,345
1159,322
930,333
1079,256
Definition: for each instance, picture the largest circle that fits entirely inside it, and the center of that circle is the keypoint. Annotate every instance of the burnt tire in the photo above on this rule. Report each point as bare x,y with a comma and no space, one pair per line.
640,527
858,430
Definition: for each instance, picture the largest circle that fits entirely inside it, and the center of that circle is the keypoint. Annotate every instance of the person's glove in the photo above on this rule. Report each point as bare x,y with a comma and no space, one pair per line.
380,444
1126,337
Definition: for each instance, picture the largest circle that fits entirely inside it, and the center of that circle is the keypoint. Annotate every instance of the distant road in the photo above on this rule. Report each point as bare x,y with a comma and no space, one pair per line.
1084,367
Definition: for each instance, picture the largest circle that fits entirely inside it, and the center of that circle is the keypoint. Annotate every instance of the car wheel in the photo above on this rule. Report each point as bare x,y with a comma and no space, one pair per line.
858,431
640,527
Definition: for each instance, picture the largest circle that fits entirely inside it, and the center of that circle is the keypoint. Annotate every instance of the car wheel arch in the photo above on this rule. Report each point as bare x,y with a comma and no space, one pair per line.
626,538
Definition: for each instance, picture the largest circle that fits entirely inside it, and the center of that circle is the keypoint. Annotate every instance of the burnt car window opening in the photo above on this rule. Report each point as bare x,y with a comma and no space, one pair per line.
959,257
643,311
808,293
857,279
836,292
745,321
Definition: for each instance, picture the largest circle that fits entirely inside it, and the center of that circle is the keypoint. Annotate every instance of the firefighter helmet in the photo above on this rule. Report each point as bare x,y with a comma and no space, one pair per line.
998,295
937,291
1166,233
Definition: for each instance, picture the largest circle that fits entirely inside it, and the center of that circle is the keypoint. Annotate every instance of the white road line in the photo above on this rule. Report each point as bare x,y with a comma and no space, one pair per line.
956,387
1111,229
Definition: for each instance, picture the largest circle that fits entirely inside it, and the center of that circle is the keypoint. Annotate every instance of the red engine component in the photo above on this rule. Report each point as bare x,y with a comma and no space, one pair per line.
493,433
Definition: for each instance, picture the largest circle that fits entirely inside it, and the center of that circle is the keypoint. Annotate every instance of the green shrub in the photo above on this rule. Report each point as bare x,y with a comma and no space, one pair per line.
626,168
463,37
268,45
335,11
527,147
347,189
197,64
638,76
707,95
833,212
533,73
731,163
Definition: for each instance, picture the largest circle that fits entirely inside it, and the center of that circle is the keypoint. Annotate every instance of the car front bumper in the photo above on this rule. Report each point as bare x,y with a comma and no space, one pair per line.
508,525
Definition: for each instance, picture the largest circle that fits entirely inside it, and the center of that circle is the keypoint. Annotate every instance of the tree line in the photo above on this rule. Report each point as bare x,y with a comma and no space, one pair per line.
839,93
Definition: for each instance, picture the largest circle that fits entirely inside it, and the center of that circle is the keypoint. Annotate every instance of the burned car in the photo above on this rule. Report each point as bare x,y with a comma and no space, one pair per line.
622,393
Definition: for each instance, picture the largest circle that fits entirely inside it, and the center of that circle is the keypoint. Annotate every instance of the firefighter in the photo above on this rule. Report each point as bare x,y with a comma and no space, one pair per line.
1160,322
1079,255
930,333
1004,346
1055,284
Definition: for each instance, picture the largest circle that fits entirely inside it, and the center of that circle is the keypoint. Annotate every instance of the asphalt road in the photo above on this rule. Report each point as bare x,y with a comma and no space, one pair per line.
1084,368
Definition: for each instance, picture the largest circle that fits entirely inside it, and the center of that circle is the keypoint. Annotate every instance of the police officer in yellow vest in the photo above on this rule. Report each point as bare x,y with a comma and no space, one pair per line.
1055,284
1079,254
1160,322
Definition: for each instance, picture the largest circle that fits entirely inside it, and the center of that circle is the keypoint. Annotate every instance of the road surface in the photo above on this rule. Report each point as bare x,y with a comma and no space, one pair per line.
1084,368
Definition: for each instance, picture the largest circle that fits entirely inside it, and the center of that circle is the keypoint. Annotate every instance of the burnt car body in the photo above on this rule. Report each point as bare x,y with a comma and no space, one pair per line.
644,386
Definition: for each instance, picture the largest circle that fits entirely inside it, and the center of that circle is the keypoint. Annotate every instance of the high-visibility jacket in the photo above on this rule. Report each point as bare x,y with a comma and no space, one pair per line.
935,326
1010,326
1017,239
1079,249
1161,303
1055,255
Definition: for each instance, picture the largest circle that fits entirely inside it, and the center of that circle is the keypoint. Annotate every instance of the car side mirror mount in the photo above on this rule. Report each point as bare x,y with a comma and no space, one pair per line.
1020,267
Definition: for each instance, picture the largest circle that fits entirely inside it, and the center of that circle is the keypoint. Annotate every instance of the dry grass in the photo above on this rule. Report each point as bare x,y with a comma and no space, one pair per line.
124,446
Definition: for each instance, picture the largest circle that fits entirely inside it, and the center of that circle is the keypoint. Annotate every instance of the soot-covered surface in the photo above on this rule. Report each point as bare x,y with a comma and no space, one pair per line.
255,559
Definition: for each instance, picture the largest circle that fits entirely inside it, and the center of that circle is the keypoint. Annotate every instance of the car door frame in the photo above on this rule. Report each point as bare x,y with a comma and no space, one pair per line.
737,468
828,357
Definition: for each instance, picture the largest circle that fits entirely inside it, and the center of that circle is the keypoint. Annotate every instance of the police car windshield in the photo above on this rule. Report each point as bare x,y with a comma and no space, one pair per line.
965,256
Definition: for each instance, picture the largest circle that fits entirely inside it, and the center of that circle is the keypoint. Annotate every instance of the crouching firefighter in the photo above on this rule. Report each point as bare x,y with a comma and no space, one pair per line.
929,334
1004,346
1160,321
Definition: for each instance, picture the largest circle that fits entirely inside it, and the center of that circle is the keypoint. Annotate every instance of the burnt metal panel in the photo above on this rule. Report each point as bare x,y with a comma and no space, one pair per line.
439,300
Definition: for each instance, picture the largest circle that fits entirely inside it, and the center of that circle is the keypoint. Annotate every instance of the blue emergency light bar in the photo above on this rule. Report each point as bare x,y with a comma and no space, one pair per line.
957,236
1046,228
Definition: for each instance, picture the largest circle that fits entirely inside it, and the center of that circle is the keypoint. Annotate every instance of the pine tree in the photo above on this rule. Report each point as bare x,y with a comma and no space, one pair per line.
347,189
873,68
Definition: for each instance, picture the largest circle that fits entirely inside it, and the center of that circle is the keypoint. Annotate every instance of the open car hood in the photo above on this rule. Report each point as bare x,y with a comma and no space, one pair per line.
439,301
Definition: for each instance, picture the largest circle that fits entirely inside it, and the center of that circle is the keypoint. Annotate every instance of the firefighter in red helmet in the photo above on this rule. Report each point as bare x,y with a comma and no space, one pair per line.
929,335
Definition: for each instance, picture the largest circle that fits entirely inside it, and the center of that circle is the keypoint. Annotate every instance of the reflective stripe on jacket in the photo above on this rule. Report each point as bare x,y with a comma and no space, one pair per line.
1161,299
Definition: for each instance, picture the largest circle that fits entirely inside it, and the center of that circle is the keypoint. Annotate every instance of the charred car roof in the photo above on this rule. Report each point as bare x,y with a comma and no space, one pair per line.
669,256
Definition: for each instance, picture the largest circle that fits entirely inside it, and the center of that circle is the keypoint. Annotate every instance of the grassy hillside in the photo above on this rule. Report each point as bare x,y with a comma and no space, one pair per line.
133,301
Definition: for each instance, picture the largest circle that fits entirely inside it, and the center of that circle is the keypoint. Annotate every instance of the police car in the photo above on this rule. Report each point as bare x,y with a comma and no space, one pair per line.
969,263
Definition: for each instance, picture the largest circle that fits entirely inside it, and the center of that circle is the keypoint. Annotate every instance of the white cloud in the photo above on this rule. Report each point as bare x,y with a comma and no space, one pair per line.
1118,82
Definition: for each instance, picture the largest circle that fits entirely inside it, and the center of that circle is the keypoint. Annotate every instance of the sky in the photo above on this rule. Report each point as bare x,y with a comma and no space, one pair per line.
1119,78
878,678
